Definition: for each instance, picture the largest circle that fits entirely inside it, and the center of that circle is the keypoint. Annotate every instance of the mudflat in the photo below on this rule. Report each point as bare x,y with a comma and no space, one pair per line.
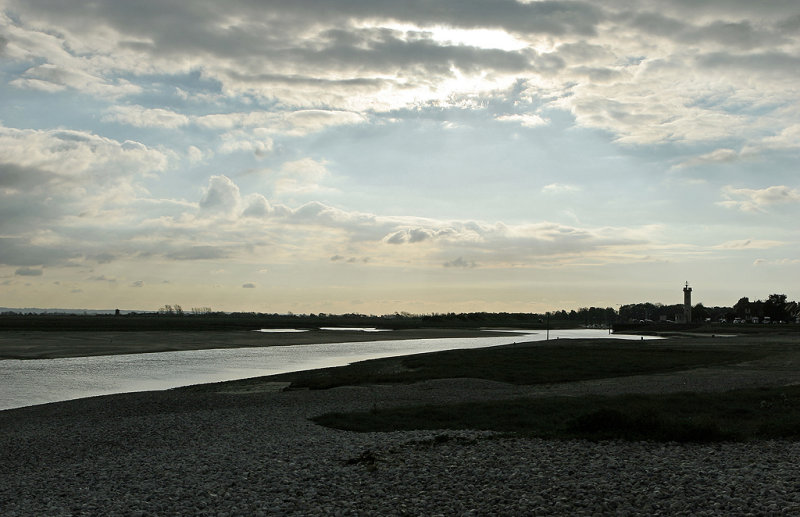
50,345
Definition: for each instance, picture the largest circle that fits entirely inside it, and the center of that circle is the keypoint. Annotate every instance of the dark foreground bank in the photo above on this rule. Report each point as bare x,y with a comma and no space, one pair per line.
183,453
246,449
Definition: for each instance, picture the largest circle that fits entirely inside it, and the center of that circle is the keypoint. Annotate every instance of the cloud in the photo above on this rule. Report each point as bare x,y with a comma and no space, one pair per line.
300,176
221,196
196,155
255,141
749,244
28,271
140,116
249,285
24,252
104,258
460,263
758,200
62,155
559,188
202,252
776,262
102,278
298,122
716,156
788,138
52,78
306,66
527,120
414,235
257,206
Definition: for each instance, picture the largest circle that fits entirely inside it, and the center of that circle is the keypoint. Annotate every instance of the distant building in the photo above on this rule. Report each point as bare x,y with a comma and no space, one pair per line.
686,316
687,303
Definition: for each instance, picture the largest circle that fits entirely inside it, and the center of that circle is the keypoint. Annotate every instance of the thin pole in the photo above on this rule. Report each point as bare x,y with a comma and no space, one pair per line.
548,327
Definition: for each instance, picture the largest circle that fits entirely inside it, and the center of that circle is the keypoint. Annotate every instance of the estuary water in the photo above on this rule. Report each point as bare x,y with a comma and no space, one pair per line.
30,382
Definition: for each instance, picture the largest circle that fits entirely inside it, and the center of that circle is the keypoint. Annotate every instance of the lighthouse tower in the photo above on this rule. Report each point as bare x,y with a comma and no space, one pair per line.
687,303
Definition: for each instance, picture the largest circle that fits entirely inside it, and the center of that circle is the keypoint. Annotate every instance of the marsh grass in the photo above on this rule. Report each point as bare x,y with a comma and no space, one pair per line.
740,415
526,364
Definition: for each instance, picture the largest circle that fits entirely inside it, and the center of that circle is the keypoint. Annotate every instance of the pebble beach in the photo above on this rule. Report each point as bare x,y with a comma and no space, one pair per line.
222,452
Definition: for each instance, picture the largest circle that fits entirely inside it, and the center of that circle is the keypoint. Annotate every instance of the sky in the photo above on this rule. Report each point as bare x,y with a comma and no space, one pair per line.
381,156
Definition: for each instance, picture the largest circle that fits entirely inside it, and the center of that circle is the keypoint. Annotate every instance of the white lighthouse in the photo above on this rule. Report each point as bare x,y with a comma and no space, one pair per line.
687,303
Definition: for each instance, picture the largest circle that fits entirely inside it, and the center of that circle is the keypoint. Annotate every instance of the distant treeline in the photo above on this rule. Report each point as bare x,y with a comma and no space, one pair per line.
173,317
776,308
252,321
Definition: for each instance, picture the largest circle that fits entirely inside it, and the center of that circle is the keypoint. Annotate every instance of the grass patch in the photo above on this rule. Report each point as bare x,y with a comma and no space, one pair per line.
741,415
525,364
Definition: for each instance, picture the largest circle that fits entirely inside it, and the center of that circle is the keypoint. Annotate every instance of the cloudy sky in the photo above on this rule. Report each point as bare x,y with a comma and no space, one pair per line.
376,156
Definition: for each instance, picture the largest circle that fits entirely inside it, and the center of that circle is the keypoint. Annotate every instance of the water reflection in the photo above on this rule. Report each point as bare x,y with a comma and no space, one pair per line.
29,382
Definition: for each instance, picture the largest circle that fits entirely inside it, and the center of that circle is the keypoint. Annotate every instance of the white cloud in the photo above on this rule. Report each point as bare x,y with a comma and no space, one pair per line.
140,116
776,262
255,141
788,138
70,154
559,188
221,196
758,200
716,156
300,176
257,206
526,120
196,155
749,244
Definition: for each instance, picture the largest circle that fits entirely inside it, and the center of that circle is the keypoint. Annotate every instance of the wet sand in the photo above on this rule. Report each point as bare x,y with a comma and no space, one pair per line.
50,345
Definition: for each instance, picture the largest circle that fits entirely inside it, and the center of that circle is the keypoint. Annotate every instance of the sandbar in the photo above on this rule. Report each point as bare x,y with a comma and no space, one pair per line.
49,345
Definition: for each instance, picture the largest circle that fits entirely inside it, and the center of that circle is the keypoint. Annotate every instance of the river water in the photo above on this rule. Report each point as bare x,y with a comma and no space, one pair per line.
29,382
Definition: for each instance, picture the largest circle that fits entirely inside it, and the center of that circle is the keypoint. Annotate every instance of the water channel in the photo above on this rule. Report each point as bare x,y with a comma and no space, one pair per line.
29,382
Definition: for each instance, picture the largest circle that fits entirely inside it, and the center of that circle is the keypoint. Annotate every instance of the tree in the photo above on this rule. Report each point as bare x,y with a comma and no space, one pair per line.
700,313
776,307
742,308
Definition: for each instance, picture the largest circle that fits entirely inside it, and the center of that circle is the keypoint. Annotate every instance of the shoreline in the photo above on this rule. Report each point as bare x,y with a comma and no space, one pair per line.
31,345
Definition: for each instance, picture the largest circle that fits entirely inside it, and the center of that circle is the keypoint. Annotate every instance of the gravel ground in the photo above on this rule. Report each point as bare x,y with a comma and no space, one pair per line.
181,452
